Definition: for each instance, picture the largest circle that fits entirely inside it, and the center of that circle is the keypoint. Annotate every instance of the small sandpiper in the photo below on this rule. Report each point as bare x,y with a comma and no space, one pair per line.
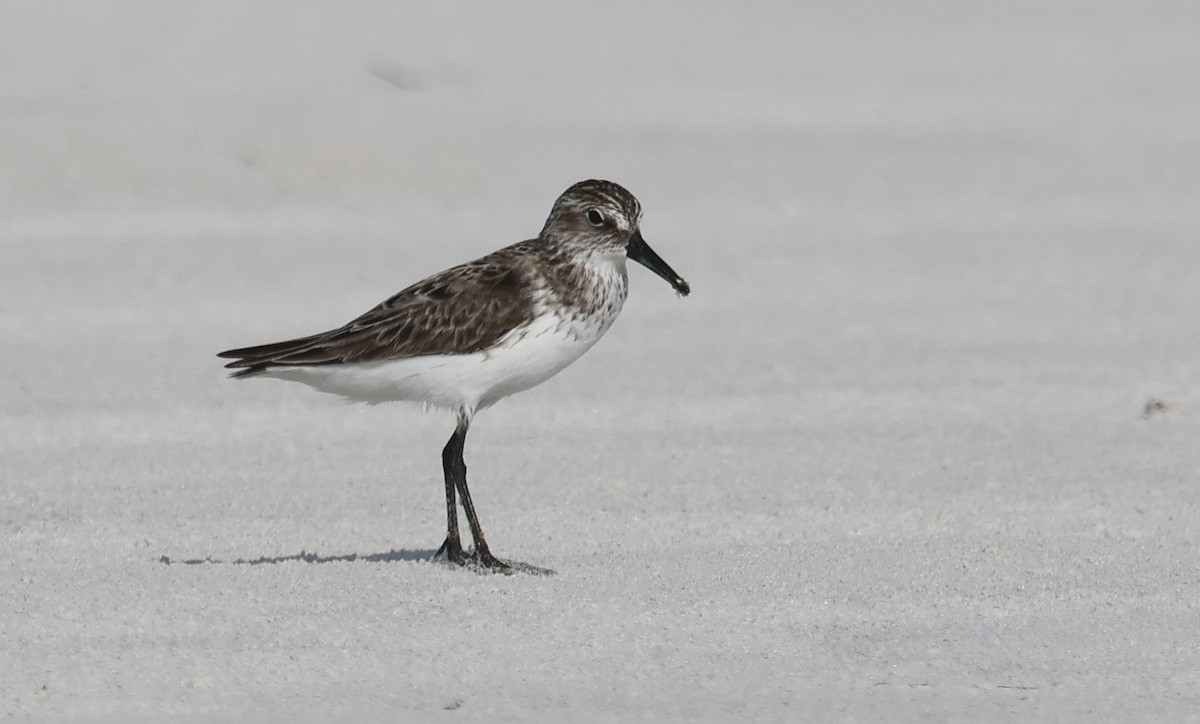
467,337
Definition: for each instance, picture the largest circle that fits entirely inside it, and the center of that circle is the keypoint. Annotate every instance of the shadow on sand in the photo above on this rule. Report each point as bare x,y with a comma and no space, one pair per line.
391,556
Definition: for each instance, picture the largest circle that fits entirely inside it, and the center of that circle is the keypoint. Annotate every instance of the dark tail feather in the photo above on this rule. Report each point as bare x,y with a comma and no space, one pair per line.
305,351
266,351
248,371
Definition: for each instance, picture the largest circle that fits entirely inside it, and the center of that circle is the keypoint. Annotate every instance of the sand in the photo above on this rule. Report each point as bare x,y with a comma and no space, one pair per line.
921,445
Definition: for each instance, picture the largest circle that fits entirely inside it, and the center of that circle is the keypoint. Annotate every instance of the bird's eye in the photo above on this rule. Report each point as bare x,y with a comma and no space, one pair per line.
595,218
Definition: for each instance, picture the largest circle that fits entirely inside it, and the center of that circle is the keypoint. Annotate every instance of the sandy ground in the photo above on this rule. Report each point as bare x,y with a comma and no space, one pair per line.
921,445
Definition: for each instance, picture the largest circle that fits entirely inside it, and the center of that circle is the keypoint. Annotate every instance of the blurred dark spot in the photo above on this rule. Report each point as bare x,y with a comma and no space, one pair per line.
1153,406
394,74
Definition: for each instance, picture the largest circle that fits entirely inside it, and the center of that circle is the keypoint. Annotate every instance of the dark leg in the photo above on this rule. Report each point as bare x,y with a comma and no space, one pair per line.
482,554
456,470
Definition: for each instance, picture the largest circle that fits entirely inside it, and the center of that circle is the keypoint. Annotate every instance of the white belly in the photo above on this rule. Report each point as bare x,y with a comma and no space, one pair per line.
524,358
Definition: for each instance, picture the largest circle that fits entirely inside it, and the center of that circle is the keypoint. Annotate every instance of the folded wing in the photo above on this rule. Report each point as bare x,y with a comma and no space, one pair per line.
461,310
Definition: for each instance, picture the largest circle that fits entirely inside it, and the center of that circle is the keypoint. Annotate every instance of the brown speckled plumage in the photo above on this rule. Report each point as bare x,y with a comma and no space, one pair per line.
470,307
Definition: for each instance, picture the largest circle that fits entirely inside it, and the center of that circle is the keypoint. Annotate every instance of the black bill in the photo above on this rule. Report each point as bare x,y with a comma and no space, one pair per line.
640,251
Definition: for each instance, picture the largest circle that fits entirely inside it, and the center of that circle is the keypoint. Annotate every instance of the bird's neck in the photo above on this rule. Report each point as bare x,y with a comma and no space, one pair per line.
590,283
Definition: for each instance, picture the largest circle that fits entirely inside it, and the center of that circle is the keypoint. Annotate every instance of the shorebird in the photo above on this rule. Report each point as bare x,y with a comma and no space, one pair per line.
469,336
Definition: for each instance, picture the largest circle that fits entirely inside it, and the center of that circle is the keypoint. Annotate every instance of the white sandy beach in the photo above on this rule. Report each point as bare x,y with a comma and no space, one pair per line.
923,444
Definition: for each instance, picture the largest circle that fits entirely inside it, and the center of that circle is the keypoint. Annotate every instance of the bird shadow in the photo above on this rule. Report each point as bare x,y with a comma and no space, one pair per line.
391,556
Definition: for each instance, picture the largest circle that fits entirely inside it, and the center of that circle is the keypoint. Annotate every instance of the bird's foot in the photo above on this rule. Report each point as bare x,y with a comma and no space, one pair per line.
482,561
452,551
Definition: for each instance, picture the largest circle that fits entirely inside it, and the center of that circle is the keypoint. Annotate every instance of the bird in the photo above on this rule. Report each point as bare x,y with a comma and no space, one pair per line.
467,337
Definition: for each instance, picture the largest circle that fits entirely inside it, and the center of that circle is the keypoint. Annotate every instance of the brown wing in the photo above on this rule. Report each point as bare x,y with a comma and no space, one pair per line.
461,310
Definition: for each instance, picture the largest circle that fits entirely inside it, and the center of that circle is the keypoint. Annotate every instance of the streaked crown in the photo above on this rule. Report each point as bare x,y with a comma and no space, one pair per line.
593,213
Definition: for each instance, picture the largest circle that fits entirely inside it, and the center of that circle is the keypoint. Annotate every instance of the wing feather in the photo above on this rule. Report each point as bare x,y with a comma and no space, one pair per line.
464,309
